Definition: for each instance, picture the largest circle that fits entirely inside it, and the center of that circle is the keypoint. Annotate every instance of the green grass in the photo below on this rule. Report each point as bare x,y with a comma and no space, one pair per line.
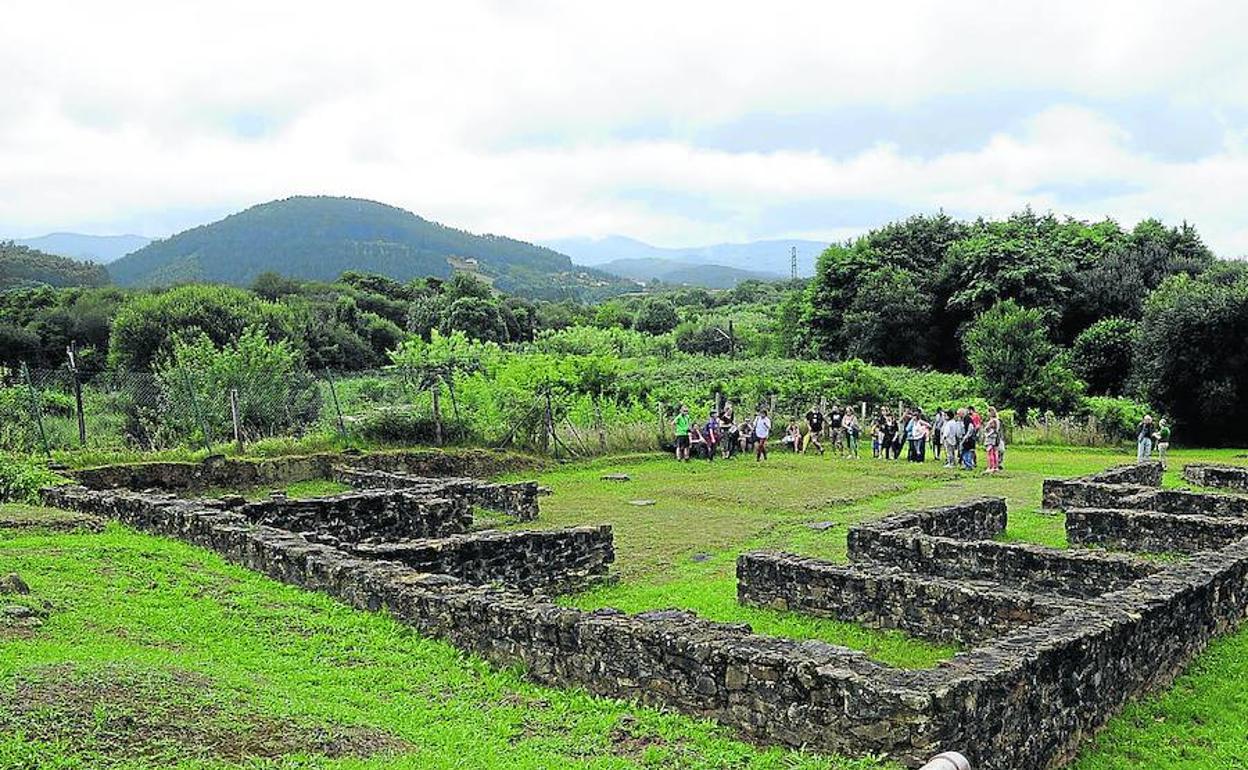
171,624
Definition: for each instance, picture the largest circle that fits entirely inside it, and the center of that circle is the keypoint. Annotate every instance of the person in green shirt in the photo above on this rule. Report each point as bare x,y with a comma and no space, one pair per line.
682,423
1163,441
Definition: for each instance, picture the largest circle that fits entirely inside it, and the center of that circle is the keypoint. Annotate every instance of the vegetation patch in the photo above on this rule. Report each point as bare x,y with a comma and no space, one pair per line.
116,713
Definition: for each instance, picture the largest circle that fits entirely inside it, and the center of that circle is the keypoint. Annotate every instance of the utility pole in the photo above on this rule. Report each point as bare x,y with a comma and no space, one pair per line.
793,261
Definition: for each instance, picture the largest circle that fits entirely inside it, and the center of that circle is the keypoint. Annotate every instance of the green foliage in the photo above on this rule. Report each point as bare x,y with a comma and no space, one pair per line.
276,395
656,316
1101,355
1010,352
1190,357
22,478
21,266
1116,418
146,326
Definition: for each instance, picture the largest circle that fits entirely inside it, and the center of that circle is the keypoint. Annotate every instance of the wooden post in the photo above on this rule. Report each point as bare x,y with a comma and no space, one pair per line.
602,430
437,413
732,340
550,425
73,369
823,410
238,426
864,410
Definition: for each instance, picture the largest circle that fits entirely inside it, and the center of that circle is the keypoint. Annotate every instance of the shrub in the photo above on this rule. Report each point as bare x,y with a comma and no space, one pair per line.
21,479
404,425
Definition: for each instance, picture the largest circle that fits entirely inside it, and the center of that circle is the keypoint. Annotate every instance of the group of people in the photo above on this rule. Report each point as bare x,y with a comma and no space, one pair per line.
957,435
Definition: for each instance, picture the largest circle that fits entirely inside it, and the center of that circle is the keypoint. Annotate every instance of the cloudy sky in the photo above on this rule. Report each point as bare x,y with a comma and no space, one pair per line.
676,123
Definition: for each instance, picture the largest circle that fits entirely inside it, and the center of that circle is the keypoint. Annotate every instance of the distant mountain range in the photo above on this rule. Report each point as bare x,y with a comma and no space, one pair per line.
319,238
671,271
769,257
100,249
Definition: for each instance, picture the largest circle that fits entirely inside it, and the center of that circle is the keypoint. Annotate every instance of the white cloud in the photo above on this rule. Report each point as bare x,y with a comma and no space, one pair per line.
516,118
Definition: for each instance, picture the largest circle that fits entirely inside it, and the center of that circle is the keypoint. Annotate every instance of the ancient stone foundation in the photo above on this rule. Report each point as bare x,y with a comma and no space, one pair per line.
1224,476
1058,640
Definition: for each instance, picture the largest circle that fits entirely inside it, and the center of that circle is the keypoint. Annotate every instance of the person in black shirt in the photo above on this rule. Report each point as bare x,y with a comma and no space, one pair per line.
814,423
834,429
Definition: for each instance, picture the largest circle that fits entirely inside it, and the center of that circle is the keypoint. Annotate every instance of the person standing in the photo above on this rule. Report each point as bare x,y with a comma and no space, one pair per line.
682,423
1144,439
969,440
951,434
834,429
712,434
938,428
852,431
762,429
992,440
919,431
1163,441
814,426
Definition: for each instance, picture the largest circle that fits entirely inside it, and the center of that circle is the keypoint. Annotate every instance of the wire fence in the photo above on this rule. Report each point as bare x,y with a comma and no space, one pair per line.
47,410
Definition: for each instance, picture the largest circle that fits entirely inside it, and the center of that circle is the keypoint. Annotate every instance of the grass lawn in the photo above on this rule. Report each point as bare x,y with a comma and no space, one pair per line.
157,654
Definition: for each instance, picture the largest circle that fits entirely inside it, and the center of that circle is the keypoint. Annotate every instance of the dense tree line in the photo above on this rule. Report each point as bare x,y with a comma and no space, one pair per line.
21,266
1046,312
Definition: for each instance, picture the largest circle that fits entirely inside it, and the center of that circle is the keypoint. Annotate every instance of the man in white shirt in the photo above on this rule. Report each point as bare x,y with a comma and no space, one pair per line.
762,429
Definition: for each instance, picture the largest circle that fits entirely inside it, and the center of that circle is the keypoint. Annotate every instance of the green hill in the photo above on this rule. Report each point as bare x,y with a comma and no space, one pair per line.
21,266
320,237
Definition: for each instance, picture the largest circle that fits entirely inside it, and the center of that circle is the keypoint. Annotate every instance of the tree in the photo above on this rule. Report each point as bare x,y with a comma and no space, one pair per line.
480,319
887,322
146,325
276,395
1009,350
439,363
1102,355
1190,358
656,316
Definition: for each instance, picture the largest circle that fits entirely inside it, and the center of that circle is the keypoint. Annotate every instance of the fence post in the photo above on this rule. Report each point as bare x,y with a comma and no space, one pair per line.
36,410
238,428
199,417
550,425
73,370
333,394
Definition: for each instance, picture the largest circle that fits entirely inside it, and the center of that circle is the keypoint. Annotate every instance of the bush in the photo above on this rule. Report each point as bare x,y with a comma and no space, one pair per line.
404,425
1117,418
21,479
276,395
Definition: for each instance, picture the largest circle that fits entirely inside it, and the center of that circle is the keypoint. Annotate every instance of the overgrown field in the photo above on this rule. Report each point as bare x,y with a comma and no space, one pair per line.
156,654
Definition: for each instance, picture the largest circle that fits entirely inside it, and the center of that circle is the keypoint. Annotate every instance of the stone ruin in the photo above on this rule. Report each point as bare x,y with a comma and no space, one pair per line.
1056,640
1225,476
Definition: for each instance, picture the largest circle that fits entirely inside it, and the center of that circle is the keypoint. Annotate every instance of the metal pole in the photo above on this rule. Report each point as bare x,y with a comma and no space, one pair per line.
73,368
333,394
238,428
199,417
36,410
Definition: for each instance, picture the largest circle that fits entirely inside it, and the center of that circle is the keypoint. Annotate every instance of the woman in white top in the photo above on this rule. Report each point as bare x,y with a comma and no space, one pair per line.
762,429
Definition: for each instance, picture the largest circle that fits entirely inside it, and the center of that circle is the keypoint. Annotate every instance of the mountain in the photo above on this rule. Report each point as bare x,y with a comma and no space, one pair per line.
101,249
21,266
670,271
319,238
770,256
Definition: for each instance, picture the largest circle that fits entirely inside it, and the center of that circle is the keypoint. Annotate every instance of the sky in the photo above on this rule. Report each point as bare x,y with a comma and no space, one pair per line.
677,123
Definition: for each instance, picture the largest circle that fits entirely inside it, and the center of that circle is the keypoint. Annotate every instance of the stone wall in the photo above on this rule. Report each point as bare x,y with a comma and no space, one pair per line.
1023,699
1224,476
225,473
958,611
555,561
1066,573
518,500
1106,489
359,516
1138,530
